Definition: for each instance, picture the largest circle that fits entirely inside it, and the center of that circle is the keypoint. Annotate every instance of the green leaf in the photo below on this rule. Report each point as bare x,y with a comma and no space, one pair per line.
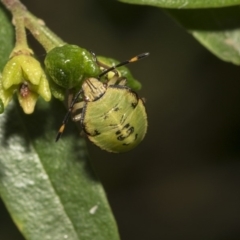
217,29
6,38
1,106
180,4
49,188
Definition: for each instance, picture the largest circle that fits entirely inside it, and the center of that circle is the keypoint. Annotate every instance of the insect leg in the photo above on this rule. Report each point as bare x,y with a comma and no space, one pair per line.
68,114
122,81
76,107
111,76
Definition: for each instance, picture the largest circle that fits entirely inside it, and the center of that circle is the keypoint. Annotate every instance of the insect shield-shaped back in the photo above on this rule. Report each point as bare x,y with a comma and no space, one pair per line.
114,118
93,89
112,115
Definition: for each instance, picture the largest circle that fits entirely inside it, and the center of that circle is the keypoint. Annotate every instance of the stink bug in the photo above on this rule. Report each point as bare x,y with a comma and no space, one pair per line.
112,115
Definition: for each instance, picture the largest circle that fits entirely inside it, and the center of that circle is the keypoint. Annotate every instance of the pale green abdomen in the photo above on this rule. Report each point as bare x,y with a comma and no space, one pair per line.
116,122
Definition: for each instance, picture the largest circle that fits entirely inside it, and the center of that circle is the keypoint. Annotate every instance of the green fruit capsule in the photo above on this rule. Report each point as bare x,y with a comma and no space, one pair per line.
69,65
112,115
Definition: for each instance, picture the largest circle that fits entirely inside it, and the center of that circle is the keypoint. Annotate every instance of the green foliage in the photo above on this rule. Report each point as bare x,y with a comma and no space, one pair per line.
1,106
218,29
180,4
6,38
69,65
49,188
6,46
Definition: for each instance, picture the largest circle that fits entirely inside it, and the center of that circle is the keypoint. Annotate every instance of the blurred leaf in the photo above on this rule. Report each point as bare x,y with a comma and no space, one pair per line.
217,29
6,37
185,3
49,188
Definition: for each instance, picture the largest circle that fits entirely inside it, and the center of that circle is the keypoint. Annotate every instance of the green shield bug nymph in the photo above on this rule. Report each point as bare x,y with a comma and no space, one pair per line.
112,115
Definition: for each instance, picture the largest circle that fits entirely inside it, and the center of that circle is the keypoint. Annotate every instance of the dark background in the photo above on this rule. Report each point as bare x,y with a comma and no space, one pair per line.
182,182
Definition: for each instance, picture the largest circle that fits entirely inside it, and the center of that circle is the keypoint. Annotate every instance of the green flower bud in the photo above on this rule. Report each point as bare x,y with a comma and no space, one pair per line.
5,95
24,74
69,65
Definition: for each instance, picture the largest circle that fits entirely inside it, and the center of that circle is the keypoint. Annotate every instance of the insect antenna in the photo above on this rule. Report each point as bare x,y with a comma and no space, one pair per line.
134,59
64,122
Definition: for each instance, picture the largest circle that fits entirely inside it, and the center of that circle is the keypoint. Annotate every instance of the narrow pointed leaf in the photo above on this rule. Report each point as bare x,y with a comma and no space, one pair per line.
6,37
49,188
180,4
217,29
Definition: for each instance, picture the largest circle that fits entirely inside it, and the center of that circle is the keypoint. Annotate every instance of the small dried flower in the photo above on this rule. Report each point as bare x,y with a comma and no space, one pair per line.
23,74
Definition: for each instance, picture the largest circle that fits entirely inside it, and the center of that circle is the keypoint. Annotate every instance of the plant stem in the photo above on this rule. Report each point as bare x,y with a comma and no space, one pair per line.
12,5
21,39
43,34
23,18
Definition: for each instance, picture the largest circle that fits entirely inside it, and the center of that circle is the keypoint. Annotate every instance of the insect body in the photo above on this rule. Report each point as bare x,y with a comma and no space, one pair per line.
113,116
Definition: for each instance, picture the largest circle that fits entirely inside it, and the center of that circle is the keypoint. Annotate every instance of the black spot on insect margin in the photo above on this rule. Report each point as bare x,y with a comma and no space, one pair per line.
134,104
96,132
118,132
127,125
136,136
